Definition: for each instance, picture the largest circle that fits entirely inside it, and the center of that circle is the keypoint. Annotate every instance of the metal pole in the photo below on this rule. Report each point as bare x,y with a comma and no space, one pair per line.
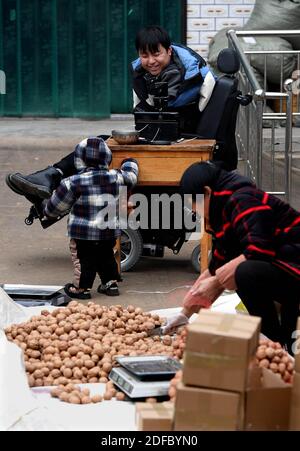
231,35
259,141
281,33
288,137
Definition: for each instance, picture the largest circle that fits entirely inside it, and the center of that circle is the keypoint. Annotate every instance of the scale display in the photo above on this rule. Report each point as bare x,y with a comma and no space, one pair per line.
136,388
30,291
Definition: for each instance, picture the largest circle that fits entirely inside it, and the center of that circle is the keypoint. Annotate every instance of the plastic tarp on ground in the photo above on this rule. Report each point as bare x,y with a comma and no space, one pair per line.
25,409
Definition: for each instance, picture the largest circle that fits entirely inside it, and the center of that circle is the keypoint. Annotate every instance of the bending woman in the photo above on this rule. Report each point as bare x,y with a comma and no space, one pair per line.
256,250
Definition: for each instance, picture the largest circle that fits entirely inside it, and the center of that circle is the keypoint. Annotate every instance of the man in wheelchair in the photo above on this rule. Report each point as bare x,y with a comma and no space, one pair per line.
190,85
207,108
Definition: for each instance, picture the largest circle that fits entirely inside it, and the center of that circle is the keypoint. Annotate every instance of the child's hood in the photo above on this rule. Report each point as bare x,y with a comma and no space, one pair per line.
92,152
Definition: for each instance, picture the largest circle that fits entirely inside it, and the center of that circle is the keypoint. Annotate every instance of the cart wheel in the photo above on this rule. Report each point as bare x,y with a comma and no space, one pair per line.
28,220
195,258
131,248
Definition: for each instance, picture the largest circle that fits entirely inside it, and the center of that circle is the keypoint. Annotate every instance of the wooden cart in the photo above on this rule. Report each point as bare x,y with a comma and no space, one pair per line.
164,165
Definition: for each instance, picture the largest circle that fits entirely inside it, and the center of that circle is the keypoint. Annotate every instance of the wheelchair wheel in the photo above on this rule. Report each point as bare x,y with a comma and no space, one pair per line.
195,258
131,248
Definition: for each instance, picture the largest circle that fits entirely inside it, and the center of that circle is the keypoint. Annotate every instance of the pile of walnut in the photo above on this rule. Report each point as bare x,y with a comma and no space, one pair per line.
77,395
78,344
179,342
271,355
173,385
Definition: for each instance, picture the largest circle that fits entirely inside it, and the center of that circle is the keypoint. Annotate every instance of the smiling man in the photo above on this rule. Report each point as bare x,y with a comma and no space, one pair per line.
190,85
190,82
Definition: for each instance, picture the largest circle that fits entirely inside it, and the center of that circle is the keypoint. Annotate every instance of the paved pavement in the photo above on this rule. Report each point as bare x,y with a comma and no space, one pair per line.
32,255
55,134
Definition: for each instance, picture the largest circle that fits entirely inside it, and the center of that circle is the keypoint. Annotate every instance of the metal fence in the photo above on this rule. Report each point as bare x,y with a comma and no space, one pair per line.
267,151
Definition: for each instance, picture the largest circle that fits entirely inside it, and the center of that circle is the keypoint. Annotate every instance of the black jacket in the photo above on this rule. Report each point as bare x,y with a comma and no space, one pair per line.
248,221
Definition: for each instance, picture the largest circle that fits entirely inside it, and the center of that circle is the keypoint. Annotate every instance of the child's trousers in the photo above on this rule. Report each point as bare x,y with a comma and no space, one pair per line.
91,258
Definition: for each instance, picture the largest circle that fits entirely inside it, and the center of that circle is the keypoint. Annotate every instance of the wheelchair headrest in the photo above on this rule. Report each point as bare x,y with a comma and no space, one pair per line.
228,61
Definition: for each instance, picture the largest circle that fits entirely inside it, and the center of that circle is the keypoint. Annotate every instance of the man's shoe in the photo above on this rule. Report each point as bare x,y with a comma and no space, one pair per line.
39,184
10,184
110,288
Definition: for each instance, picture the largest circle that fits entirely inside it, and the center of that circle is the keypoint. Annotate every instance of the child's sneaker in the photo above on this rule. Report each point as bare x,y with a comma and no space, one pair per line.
110,288
72,292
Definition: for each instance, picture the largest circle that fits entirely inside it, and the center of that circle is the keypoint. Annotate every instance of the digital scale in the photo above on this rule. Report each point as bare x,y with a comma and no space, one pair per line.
144,376
36,295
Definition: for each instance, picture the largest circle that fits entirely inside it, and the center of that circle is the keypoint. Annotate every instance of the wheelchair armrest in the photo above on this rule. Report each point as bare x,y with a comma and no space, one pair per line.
244,100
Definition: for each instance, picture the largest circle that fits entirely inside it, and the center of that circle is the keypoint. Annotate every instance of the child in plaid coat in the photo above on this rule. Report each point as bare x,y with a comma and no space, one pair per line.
85,195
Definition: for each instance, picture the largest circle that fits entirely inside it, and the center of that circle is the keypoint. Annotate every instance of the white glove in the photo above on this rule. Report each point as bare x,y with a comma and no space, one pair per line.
172,323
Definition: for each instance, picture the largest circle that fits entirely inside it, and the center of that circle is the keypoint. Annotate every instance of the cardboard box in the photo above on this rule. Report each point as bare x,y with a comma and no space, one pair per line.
267,402
200,409
218,350
139,406
297,348
154,417
280,106
295,404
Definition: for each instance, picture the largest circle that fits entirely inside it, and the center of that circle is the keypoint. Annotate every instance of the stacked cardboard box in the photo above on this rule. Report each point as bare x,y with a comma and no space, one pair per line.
266,402
154,416
218,351
221,390
202,409
295,399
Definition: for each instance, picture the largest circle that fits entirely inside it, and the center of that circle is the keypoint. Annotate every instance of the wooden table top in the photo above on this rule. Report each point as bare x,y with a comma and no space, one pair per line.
192,145
162,165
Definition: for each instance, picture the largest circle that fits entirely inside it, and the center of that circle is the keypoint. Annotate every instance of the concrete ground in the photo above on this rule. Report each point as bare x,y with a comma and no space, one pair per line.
31,255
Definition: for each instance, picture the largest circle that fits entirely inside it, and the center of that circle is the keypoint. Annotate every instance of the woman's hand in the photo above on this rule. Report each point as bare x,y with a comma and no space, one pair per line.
226,273
204,292
205,275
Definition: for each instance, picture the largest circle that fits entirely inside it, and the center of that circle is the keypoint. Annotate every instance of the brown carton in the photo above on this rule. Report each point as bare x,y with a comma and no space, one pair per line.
297,348
267,402
295,404
200,409
139,406
154,417
218,350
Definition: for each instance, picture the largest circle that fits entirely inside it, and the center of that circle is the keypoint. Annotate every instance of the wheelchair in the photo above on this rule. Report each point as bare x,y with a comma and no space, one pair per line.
217,121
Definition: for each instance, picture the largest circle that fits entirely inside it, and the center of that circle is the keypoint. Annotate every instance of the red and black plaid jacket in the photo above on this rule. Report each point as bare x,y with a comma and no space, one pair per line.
249,221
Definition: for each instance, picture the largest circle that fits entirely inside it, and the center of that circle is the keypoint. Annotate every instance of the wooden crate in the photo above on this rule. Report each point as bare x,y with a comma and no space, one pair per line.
162,165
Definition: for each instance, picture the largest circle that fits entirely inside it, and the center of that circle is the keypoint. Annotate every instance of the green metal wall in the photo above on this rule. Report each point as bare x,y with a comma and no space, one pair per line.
126,18
71,57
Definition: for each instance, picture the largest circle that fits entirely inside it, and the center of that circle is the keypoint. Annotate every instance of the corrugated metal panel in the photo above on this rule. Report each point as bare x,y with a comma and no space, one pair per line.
11,61
37,57
83,79
71,57
127,17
